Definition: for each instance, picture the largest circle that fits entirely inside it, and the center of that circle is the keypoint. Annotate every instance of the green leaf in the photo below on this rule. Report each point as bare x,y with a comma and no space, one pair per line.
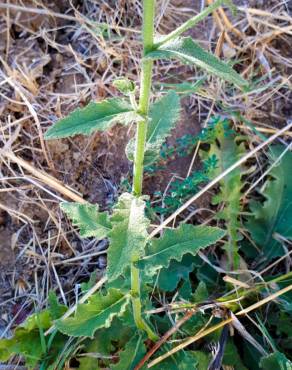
55,308
87,218
131,355
28,342
276,361
274,214
188,51
169,278
97,313
182,360
231,356
227,152
203,359
88,363
163,115
124,85
128,235
174,244
95,116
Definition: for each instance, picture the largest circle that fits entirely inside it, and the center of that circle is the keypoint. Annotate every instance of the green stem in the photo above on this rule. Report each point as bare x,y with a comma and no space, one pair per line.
141,134
189,23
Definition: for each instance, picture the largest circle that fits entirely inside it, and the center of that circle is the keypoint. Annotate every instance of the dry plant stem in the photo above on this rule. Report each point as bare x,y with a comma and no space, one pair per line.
145,90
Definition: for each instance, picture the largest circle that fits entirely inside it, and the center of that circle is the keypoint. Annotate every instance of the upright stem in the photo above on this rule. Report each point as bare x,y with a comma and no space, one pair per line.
141,134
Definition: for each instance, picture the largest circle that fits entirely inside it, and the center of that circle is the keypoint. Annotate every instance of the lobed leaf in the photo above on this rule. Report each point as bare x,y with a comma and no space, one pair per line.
174,244
163,115
87,218
227,152
97,313
274,215
188,51
131,355
95,116
276,361
128,235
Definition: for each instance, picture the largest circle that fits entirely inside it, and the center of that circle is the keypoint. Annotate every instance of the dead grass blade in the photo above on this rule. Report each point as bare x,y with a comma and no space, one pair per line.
220,325
47,179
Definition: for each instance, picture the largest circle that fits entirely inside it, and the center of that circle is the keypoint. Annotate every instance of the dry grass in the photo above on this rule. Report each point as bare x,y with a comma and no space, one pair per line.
54,60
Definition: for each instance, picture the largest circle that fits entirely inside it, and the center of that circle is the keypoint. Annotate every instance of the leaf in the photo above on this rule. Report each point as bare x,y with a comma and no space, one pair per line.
227,152
163,115
55,308
182,360
174,244
276,361
88,363
95,116
231,357
87,218
202,358
183,88
188,51
169,278
131,355
274,214
97,313
27,340
128,235
105,341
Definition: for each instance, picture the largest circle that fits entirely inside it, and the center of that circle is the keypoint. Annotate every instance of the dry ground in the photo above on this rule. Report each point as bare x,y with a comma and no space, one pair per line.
58,55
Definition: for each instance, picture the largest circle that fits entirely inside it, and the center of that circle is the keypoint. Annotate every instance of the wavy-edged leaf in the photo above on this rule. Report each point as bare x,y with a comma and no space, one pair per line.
95,314
274,214
276,361
188,51
174,244
131,355
128,235
95,116
87,218
163,116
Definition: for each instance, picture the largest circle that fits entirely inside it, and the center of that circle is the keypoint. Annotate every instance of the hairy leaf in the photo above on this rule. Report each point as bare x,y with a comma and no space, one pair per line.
131,355
227,152
274,214
95,116
276,361
163,115
187,50
174,244
128,235
87,218
97,313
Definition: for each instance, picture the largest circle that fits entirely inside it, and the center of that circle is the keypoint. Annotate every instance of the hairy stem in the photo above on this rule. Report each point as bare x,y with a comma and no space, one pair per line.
145,90
190,23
